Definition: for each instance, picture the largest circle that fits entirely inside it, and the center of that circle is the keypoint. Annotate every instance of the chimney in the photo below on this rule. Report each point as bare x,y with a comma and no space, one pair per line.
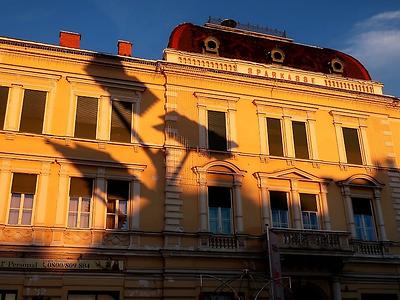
124,48
70,39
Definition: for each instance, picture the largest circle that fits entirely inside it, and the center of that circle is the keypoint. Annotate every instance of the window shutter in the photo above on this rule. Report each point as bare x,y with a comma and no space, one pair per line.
274,137
86,118
300,139
217,131
352,146
117,189
3,104
24,183
361,206
278,200
81,187
121,121
219,196
33,111
308,202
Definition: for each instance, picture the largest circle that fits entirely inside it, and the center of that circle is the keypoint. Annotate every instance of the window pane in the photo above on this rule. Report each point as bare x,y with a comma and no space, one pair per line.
28,201
3,104
111,206
26,217
352,146
85,205
81,187
219,196
118,189
33,111
73,204
361,206
217,131
86,118
24,183
84,222
213,226
122,222
278,200
110,222
308,202
13,217
226,227
10,296
300,139
226,213
123,207
213,213
274,137
15,200
121,120
72,219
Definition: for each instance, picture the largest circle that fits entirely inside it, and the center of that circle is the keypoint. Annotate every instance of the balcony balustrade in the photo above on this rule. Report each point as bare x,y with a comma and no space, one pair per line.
312,239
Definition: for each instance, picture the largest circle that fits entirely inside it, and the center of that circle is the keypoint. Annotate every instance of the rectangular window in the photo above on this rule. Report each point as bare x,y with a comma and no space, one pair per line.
219,296
121,121
117,204
22,196
300,140
217,131
279,209
8,295
32,115
86,118
274,137
219,209
92,295
309,211
3,104
363,219
80,199
352,146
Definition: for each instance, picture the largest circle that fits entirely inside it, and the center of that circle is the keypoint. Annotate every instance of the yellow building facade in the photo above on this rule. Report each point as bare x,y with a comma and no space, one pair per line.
126,178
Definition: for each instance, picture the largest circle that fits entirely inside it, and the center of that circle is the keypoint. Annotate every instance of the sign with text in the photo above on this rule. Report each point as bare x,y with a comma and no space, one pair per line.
59,264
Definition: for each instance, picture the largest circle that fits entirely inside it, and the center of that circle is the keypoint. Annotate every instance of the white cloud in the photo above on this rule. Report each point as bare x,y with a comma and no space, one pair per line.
376,43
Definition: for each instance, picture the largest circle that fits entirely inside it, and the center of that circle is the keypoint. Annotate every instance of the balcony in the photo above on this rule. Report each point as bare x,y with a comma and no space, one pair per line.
221,242
371,248
312,241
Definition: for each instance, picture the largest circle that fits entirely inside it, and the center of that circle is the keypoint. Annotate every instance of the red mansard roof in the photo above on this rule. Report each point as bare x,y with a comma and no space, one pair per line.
248,46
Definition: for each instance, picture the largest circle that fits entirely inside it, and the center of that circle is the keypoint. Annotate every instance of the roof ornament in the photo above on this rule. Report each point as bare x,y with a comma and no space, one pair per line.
277,55
336,66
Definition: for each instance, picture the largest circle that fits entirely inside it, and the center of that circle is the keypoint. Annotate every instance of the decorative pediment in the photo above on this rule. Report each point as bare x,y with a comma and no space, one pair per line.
290,174
362,180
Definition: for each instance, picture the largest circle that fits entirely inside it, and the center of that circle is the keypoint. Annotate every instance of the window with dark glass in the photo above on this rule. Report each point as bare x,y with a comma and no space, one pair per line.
300,140
117,204
274,137
32,115
279,209
352,146
86,118
8,295
219,209
93,295
121,121
309,211
22,196
219,296
80,200
217,131
3,104
363,219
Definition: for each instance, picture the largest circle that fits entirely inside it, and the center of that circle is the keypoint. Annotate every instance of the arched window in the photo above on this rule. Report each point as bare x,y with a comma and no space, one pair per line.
220,201
362,196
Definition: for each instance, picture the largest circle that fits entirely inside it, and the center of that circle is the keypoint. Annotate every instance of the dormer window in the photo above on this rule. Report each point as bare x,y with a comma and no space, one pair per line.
211,46
277,55
336,66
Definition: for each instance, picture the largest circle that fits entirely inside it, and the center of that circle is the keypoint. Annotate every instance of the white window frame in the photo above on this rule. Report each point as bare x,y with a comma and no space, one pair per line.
355,120
105,92
287,112
288,213
21,209
219,217
79,212
116,215
373,219
217,102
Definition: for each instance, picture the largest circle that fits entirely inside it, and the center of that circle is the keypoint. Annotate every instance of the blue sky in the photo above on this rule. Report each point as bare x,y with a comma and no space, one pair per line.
367,29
